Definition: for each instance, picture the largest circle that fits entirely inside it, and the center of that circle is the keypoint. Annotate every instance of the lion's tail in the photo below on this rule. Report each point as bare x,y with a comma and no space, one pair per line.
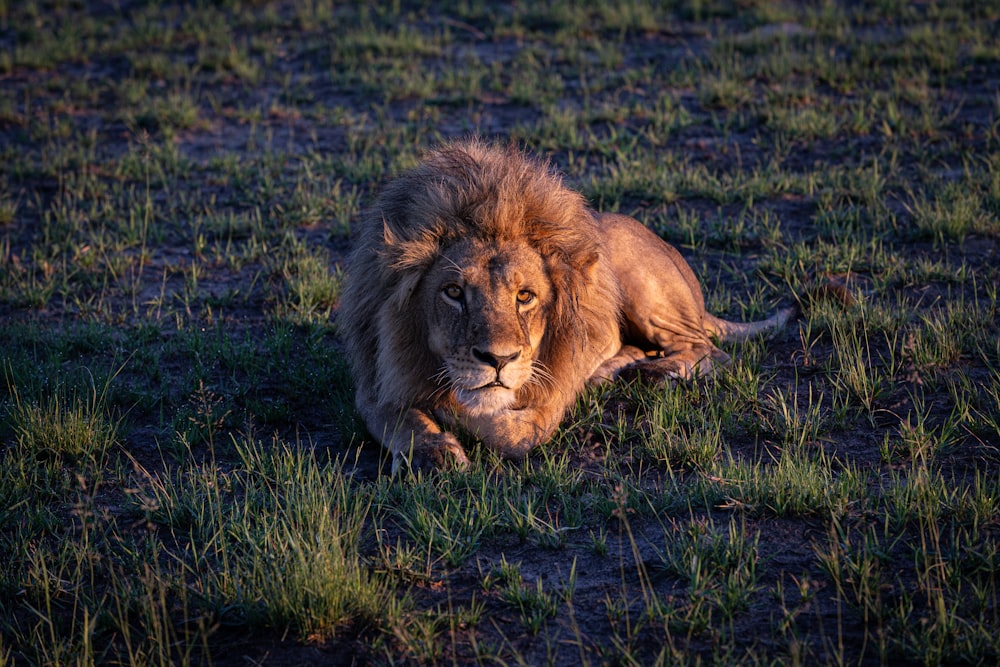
735,331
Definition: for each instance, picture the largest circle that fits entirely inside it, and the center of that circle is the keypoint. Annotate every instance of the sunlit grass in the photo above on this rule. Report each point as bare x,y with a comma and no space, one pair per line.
68,424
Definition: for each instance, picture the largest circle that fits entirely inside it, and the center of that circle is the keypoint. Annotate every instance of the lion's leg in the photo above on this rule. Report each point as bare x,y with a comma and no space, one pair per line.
663,307
610,369
657,365
677,367
413,437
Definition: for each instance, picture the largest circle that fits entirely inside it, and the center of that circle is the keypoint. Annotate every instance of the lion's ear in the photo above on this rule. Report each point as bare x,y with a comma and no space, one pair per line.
404,262
571,275
576,248
417,254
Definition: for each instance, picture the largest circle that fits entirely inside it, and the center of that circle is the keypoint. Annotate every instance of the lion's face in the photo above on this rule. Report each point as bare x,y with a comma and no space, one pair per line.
486,318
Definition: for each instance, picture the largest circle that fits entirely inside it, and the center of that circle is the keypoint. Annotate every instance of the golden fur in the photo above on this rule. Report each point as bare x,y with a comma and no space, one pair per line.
483,295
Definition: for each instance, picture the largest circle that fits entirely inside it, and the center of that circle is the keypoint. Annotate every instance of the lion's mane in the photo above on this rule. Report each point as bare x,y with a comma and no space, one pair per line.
463,190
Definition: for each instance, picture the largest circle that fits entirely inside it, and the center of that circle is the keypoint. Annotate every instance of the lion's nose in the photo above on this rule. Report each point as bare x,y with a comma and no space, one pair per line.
497,361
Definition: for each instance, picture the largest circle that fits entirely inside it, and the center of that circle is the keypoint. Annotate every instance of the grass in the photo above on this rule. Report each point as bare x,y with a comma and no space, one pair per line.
181,466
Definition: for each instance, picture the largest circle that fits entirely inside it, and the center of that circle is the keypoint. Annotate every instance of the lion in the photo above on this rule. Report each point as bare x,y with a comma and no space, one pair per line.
483,296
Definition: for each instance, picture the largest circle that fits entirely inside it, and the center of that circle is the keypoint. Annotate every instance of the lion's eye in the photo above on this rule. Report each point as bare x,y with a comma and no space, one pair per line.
524,297
453,292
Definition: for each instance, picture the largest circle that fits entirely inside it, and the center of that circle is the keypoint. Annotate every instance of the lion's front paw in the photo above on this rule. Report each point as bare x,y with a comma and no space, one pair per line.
434,452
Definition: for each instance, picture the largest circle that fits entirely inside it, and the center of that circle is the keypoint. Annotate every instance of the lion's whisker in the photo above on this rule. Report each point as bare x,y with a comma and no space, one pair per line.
444,380
441,376
541,376
438,393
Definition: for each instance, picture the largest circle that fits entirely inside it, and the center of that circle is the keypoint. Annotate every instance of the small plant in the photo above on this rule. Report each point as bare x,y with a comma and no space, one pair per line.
725,87
918,440
284,552
854,562
721,569
955,212
65,425
863,373
203,418
525,519
677,437
312,288
534,604
989,414
794,426
8,207
446,527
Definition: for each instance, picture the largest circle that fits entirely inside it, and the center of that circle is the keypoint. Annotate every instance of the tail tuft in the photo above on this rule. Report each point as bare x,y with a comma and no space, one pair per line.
834,291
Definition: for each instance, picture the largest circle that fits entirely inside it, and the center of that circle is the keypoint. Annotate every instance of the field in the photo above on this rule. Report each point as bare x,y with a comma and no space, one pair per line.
183,478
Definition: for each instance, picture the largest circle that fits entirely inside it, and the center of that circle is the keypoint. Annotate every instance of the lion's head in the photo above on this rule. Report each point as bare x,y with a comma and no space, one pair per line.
479,286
